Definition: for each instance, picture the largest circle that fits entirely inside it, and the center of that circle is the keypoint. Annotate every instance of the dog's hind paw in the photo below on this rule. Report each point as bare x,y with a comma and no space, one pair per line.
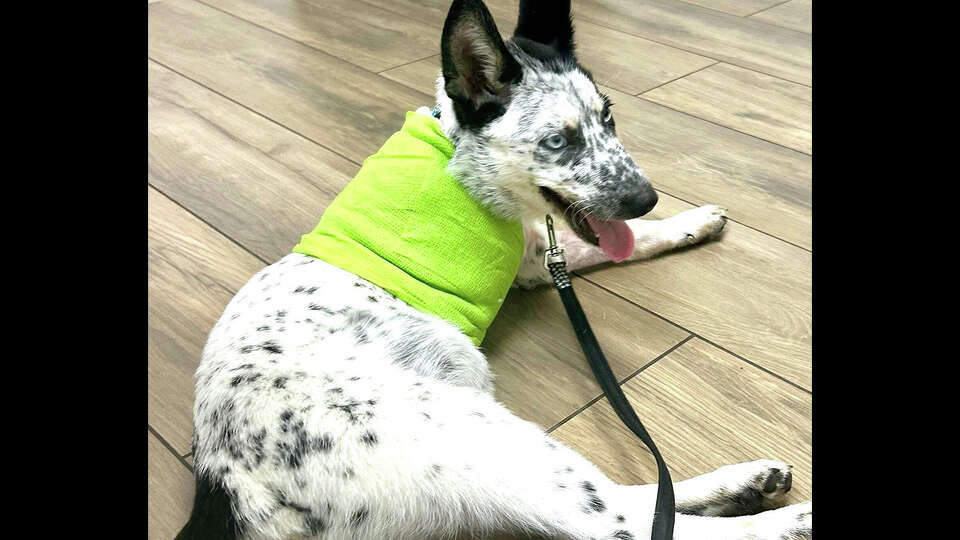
794,522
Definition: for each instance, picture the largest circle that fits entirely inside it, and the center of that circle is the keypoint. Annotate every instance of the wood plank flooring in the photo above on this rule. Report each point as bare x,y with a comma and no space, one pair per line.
260,111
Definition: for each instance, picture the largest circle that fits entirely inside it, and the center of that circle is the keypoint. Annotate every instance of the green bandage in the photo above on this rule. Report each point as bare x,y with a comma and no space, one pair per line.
408,226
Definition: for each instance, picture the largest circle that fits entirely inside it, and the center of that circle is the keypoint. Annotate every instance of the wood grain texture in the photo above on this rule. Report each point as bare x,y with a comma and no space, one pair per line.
371,38
795,14
705,409
739,8
332,102
193,272
767,107
736,40
746,291
541,373
240,171
764,185
263,187
629,63
169,492
420,75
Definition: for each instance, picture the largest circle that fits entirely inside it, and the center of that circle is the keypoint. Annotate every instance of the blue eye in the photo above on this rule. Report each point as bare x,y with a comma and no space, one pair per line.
555,141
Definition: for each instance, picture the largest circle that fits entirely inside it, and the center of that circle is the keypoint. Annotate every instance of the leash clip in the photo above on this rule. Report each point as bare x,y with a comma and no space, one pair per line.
554,253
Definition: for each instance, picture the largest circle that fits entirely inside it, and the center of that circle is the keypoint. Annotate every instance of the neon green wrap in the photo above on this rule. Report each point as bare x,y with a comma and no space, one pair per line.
407,225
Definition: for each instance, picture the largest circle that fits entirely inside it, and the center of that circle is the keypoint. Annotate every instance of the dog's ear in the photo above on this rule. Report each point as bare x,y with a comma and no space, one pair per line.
546,22
478,70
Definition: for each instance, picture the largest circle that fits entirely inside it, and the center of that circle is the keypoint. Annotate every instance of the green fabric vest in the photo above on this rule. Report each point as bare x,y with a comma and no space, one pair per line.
407,225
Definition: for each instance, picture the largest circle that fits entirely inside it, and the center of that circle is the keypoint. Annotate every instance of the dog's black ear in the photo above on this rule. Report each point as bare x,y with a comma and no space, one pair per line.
546,22
478,70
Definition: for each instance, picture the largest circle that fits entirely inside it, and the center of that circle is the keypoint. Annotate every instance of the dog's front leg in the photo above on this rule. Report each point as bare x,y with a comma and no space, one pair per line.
651,238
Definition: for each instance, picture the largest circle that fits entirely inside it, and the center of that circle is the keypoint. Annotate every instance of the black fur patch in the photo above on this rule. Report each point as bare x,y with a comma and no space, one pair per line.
212,516
596,503
548,24
359,517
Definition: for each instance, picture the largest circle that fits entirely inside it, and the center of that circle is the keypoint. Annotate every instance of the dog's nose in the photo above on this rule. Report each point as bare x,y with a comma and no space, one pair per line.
641,203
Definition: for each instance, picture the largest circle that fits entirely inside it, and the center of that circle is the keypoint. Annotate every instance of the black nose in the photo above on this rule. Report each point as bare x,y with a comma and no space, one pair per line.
639,204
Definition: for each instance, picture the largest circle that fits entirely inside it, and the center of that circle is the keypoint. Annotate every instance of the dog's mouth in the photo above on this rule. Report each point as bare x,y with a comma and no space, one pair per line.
613,236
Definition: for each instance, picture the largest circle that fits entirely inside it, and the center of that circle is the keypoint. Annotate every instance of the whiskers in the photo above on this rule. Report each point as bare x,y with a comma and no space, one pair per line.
578,211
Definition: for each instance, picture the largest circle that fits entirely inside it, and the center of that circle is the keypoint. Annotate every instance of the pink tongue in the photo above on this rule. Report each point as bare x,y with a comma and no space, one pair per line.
616,238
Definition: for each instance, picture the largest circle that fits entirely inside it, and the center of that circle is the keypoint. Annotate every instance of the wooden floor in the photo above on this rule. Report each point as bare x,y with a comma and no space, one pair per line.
260,111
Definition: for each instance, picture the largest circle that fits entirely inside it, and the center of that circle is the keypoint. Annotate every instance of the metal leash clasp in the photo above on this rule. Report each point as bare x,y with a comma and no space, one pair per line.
554,253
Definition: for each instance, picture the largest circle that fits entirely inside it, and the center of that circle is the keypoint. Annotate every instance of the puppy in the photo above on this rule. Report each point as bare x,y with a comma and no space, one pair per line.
342,393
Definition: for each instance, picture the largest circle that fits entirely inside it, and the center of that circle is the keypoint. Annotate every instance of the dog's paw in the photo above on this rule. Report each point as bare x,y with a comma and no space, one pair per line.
699,224
772,480
794,522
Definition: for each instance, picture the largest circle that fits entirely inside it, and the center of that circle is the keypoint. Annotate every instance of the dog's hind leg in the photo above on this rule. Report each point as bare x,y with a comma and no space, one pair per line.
651,238
735,490
451,460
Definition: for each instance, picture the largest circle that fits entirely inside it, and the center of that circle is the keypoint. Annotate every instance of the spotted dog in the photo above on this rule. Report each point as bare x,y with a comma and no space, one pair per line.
327,407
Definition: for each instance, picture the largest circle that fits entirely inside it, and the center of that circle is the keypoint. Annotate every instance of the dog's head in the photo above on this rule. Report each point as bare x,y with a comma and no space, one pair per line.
533,134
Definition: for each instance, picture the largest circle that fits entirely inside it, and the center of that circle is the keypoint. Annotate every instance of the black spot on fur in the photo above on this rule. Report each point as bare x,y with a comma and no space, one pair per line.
596,503
257,445
316,307
280,382
323,443
315,524
588,487
358,517
271,347
623,535
620,518
349,408
372,299
369,438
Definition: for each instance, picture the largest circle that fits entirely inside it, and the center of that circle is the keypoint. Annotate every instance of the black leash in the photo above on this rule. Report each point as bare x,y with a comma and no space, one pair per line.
664,511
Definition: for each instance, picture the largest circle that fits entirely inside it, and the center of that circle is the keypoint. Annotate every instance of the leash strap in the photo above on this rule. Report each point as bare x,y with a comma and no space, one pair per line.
665,508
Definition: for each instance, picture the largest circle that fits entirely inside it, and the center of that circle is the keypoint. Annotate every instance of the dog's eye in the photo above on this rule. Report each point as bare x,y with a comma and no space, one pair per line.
555,141
607,116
